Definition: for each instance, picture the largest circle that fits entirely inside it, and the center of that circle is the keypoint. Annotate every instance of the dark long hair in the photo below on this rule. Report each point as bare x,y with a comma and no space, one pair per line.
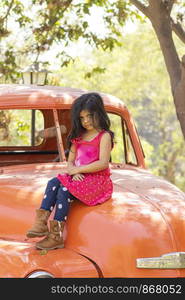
93,103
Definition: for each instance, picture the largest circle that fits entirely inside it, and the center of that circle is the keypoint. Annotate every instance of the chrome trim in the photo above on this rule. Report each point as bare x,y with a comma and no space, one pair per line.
40,274
173,260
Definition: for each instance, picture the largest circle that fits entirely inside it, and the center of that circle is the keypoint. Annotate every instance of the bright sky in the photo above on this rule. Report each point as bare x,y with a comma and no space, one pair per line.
96,25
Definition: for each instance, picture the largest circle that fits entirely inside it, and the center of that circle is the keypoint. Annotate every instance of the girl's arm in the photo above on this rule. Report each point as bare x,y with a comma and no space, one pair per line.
70,164
102,163
71,157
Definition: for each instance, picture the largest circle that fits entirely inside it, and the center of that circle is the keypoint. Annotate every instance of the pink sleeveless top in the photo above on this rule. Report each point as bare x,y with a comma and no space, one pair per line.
96,187
87,151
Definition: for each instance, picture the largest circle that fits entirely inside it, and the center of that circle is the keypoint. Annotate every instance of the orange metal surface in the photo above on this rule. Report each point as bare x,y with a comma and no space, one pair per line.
52,97
144,218
24,259
46,97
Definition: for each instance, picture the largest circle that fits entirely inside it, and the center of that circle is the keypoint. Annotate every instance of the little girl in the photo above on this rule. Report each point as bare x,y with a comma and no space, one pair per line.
88,176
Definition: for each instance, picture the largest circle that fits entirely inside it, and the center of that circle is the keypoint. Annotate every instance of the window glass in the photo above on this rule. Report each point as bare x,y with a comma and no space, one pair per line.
123,151
130,154
19,127
117,153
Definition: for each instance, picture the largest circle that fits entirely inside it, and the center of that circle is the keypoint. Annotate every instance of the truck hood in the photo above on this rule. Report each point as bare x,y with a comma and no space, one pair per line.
160,196
144,218
21,192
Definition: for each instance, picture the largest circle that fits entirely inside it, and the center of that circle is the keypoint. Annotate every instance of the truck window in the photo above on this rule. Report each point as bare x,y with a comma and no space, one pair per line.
18,127
130,156
118,153
123,151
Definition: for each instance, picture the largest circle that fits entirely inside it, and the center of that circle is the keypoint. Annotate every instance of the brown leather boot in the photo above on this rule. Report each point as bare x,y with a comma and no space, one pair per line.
40,227
54,240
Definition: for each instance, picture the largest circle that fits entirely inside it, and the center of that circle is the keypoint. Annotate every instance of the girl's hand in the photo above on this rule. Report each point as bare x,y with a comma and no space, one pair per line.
72,170
78,177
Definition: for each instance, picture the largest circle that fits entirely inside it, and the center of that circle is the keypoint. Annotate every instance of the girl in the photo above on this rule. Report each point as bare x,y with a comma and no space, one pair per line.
88,176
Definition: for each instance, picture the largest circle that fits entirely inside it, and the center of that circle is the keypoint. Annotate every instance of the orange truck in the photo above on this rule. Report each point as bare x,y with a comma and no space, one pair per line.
139,232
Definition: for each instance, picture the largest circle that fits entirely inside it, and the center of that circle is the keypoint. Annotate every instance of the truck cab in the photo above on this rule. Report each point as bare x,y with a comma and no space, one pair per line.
139,232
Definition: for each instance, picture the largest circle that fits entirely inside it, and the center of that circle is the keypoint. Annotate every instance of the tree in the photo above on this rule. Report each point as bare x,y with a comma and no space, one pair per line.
47,23
64,21
159,13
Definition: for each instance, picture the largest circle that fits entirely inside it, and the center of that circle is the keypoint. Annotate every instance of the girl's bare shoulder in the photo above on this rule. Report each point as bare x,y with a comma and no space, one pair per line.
106,136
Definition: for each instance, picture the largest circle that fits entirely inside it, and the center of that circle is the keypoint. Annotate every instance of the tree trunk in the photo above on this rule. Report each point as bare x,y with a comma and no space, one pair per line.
179,97
158,12
176,70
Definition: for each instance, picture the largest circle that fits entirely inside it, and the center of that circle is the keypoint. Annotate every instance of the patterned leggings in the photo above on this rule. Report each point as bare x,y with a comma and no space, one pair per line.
56,195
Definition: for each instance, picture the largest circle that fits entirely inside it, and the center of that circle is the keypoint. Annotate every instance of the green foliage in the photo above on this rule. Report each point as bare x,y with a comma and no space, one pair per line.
17,132
43,24
117,154
15,127
94,71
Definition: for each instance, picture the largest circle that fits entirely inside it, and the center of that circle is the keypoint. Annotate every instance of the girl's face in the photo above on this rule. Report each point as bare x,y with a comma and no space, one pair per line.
86,119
